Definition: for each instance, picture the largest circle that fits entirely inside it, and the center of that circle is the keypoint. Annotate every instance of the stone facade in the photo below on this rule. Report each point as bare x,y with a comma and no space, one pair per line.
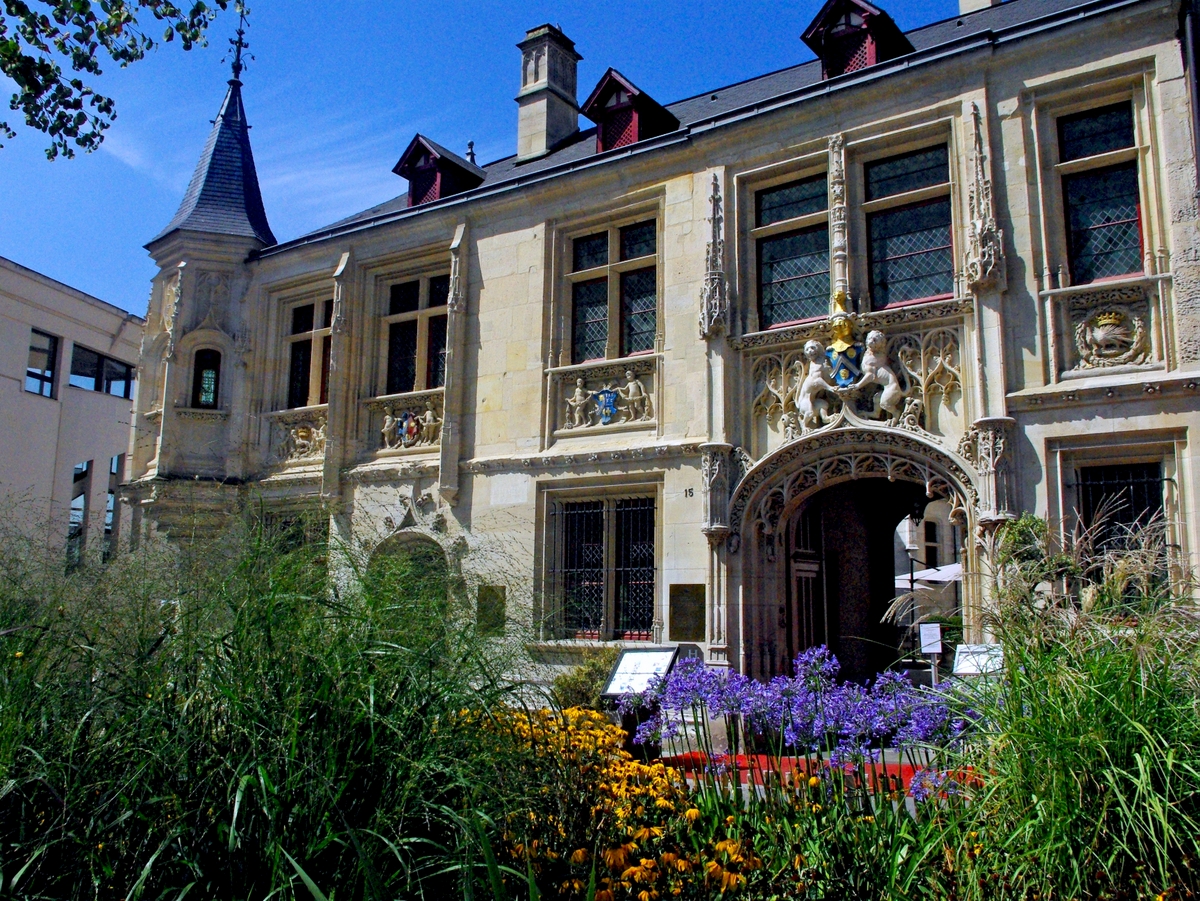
987,397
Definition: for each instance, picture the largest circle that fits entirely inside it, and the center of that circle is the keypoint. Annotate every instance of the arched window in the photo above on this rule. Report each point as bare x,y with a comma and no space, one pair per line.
206,379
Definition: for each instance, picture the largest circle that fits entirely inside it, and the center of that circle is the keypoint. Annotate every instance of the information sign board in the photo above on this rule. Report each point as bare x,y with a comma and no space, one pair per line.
636,668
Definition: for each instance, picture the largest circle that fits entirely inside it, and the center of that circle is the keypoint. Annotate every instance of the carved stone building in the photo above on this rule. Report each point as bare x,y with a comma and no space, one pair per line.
678,377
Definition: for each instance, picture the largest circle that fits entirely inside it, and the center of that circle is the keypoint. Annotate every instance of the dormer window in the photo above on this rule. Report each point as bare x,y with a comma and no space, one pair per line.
433,172
624,114
848,35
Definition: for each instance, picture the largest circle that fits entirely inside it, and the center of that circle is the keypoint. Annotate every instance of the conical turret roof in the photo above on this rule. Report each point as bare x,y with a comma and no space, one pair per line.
223,197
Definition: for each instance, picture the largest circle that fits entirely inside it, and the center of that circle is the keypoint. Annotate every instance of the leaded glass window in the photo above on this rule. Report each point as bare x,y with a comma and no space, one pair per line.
1095,131
416,326
310,338
912,257
639,240
639,308
590,301
610,283
908,172
790,201
1103,222
793,276
590,252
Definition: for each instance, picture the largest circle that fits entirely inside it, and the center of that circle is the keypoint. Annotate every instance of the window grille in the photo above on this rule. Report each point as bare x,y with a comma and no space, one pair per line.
1104,222
1095,131
639,308
790,201
1128,495
912,257
43,361
634,574
793,276
620,129
590,340
606,574
908,172
583,569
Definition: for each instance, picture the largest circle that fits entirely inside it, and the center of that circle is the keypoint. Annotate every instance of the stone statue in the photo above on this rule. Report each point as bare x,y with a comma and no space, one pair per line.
431,425
577,414
637,405
390,436
812,409
876,371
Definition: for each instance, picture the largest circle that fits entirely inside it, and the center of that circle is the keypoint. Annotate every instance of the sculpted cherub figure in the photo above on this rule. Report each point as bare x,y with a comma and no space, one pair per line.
389,429
577,414
431,425
811,407
636,398
875,370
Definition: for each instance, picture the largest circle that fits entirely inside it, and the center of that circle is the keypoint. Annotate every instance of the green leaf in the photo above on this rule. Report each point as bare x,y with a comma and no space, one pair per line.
304,877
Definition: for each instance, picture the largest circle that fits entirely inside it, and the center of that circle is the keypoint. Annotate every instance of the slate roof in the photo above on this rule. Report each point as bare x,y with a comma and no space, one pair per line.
749,96
223,197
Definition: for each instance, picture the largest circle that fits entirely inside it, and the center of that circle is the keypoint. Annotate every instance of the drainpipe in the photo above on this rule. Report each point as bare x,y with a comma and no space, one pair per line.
1189,58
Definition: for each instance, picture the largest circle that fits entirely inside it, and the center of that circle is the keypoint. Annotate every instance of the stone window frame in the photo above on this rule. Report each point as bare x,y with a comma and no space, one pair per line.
863,149
321,336
194,387
422,316
865,144
811,166
1045,104
1066,455
549,608
563,237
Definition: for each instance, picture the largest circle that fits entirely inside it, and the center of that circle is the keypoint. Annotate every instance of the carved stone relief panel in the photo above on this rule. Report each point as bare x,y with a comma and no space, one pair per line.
412,420
593,397
908,379
1110,327
298,436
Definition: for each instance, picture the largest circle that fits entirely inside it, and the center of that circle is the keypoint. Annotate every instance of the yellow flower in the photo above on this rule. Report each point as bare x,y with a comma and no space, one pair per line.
648,832
604,895
813,781
579,856
19,654
816,808
730,820
691,814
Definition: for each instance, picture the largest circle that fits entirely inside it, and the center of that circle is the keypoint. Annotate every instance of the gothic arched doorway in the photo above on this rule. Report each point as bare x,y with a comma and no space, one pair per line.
841,575
409,569
813,531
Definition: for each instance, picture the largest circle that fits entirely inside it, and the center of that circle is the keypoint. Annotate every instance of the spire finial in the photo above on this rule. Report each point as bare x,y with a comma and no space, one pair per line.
471,152
239,44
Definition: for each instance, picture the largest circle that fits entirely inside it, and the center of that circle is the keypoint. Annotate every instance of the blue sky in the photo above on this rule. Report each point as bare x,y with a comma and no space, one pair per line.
334,94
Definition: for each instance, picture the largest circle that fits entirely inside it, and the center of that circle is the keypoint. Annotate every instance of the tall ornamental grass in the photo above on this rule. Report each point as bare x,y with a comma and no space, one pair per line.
225,721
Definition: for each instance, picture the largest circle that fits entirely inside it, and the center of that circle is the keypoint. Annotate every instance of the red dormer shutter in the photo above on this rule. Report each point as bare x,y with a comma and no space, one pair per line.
425,186
620,129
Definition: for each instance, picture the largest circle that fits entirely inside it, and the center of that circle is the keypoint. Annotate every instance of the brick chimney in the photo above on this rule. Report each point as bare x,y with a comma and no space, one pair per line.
970,6
548,111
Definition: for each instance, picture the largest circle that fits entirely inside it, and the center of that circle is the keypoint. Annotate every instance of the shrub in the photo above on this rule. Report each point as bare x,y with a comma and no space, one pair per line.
581,686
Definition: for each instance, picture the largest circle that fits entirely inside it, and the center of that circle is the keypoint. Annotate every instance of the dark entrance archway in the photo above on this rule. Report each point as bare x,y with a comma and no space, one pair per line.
840,576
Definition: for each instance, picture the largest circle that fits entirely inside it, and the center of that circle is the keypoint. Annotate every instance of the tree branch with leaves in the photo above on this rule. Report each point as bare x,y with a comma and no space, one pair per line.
52,51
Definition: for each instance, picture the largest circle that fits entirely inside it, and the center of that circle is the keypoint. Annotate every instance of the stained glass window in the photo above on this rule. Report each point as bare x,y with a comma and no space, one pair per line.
590,302
793,276
908,172
206,375
798,198
1103,222
911,253
639,308
1095,131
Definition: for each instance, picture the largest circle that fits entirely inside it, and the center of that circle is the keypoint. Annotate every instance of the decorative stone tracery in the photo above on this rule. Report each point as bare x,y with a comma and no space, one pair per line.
984,258
714,297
